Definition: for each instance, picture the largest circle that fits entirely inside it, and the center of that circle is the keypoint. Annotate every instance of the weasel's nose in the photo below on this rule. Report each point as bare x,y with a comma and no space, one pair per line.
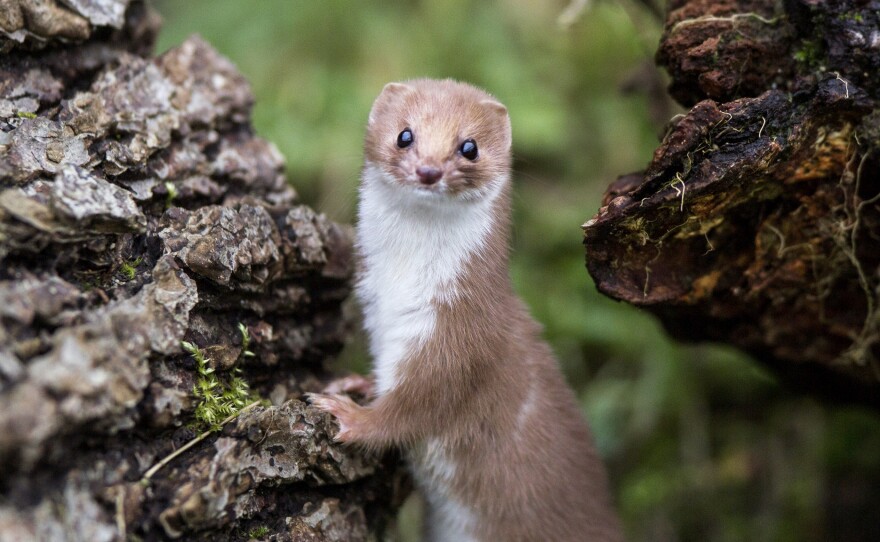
428,175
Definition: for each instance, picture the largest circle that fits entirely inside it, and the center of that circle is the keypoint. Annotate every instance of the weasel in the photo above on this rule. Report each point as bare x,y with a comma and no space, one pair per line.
464,384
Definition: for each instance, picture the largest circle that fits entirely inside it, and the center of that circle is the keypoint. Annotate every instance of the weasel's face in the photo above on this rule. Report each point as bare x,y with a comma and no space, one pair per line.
439,139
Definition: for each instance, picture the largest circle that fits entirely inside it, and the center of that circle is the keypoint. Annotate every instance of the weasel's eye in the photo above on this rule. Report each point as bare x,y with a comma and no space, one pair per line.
405,138
468,149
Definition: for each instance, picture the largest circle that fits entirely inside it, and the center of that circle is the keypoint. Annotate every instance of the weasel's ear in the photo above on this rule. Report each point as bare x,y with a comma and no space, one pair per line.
389,91
395,88
499,113
496,107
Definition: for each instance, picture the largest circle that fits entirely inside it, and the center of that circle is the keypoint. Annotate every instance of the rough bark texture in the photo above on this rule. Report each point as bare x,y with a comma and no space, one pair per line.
757,222
138,210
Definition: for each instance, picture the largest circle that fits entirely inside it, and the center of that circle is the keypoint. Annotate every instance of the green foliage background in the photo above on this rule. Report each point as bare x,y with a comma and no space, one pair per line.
701,443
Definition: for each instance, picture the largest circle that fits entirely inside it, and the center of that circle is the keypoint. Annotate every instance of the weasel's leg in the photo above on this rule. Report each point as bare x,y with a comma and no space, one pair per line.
383,423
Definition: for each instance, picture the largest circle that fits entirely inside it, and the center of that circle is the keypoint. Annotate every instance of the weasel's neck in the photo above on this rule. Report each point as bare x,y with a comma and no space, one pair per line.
419,252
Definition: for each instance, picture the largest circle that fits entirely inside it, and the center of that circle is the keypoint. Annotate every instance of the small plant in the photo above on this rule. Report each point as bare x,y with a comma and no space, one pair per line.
26,115
245,342
128,268
857,17
258,532
219,398
172,193
810,53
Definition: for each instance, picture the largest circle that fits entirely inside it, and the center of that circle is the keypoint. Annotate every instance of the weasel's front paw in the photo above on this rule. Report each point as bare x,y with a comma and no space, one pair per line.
342,408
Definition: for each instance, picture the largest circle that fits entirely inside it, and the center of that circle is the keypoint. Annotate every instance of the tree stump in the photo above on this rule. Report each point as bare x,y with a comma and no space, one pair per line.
757,223
139,214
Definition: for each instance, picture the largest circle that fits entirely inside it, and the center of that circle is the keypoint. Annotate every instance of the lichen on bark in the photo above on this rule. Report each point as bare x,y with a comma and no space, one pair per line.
138,210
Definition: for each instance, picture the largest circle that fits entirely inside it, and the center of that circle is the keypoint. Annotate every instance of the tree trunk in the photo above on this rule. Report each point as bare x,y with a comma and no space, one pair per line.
757,222
158,279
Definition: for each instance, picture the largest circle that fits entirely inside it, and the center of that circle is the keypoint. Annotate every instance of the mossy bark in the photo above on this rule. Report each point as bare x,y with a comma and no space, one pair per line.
757,223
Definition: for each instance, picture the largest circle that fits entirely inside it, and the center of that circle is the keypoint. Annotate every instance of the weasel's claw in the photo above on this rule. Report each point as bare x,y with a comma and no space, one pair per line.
340,407
314,399
324,402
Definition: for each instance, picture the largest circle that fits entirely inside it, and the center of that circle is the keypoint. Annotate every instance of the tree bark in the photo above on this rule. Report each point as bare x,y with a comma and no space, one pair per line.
757,222
138,210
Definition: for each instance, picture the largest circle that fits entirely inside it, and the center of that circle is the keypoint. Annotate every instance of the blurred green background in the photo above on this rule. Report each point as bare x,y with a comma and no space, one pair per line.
700,442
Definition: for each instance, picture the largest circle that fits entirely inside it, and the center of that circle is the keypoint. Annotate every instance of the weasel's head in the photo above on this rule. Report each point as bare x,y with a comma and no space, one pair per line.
439,139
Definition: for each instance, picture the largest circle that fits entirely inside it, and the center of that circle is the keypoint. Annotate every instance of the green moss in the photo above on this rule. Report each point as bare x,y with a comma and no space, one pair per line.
26,115
853,16
258,532
219,396
128,269
809,53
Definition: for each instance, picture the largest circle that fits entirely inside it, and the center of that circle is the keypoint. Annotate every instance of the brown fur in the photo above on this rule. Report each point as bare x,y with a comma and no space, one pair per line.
527,475
442,114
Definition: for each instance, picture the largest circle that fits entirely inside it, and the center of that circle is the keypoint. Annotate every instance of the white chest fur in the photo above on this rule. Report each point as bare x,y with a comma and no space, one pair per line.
449,519
414,246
